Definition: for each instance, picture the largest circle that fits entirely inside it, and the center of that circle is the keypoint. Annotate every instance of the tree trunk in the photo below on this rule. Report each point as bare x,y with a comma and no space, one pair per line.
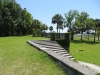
98,36
57,32
94,37
88,36
41,32
94,34
72,35
81,35
35,32
20,34
57,28
38,33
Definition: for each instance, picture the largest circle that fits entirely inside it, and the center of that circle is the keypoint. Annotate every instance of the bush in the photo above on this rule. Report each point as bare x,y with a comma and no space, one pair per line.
52,35
65,43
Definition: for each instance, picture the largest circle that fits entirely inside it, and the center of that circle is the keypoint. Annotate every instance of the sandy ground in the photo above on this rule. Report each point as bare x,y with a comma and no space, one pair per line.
92,66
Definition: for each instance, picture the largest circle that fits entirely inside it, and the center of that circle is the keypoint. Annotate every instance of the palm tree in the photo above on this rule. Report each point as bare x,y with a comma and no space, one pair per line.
57,19
43,28
36,25
46,27
51,28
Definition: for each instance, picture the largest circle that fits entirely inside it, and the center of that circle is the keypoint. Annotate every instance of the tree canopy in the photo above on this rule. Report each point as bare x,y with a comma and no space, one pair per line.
16,21
76,22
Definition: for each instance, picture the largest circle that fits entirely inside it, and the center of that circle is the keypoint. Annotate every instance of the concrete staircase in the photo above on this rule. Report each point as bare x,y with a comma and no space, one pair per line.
58,53
53,46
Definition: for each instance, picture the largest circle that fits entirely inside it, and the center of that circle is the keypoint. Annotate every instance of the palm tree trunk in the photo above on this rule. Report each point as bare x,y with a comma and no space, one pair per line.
57,28
59,32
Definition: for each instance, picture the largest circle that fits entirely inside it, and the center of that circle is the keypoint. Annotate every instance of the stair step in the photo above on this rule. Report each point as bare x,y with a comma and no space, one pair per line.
44,48
66,54
72,58
58,49
69,56
54,48
62,53
43,43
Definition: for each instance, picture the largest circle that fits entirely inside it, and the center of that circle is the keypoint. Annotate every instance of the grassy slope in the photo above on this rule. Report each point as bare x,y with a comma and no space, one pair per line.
90,53
19,58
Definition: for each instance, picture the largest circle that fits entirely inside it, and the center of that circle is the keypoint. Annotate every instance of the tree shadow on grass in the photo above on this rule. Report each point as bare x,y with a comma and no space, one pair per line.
85,41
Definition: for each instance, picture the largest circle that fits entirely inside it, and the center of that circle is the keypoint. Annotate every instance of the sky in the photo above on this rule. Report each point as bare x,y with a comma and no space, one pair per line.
44,10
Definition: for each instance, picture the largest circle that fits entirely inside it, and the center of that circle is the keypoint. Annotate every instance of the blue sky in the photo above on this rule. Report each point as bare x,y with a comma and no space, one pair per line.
44,10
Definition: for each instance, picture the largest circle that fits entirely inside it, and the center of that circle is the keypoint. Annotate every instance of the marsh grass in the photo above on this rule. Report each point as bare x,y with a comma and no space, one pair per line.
19,58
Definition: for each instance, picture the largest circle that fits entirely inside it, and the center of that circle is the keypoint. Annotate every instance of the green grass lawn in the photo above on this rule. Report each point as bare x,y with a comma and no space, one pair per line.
19,58
86,51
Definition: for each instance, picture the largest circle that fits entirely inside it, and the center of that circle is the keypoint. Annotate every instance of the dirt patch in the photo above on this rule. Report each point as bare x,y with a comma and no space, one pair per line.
1,50
79,50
